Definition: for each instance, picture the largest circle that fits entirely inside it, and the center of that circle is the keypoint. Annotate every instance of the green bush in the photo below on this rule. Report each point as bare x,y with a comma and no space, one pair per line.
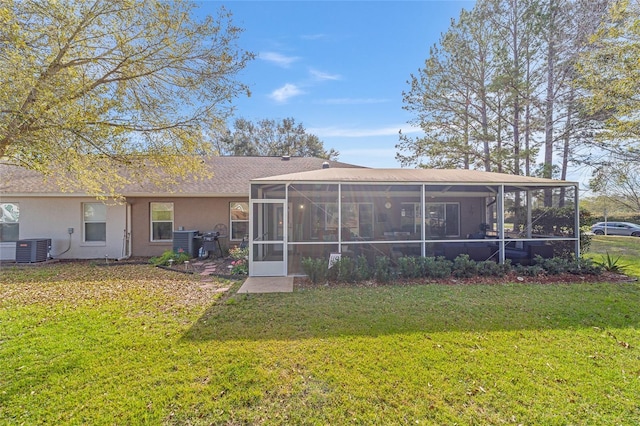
362,270
316,269
383,271
464,267
584,266
349,270
169,255
528,270
240,267
433,267
552,266
409,267
342,270
238,253
585,241
489,268
240,264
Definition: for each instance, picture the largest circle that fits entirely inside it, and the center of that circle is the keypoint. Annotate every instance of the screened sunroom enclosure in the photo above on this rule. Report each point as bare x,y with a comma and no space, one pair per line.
407,212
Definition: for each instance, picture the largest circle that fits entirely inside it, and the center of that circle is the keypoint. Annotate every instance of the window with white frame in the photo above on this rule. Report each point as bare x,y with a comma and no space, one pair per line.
9,222
94,222
161,221
239,214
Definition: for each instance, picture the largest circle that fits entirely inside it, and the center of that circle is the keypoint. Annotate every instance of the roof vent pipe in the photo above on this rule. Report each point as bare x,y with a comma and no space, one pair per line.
325,165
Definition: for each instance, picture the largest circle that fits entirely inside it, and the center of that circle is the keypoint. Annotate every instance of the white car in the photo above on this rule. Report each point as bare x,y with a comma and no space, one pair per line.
616,228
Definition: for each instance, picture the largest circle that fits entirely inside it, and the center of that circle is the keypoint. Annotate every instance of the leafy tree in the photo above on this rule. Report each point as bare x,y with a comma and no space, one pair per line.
100,93
619,183
497,90
450,99
598,205
271,138
515,24
566,27
474,96
609,72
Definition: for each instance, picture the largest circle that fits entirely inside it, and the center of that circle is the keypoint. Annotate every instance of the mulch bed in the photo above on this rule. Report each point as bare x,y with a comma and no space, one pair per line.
303,282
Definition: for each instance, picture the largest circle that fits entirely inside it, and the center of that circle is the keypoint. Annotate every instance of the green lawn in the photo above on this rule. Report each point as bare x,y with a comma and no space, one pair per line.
132,344
626,249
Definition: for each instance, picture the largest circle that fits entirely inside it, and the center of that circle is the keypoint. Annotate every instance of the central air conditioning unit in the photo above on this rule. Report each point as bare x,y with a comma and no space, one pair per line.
33,250
186,242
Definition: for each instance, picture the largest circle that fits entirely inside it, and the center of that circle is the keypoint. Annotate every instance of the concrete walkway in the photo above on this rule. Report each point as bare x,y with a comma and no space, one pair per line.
267,285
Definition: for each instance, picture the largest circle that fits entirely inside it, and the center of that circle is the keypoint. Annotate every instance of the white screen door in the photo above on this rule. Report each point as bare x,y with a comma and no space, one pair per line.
267,255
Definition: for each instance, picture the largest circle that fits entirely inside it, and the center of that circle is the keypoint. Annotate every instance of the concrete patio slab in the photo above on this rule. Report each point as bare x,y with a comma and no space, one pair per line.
267,285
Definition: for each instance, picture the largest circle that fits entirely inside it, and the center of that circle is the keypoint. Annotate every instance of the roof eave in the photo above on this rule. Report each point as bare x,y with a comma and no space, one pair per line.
553,184
5,195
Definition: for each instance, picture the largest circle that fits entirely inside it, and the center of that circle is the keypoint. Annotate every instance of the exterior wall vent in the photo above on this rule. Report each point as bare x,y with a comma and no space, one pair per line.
33,250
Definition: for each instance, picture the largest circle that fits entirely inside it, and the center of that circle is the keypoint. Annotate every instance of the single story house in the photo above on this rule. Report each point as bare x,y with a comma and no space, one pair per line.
292,208
401,212
80,227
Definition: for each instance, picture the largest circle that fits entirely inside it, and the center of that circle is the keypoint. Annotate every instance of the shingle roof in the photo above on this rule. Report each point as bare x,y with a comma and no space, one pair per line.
435,176
231,177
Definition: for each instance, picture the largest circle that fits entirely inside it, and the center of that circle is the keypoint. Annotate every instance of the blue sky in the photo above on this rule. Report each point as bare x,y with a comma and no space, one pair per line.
338,67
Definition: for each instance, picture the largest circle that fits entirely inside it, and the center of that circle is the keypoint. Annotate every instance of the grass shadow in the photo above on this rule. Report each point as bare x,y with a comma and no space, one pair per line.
358,311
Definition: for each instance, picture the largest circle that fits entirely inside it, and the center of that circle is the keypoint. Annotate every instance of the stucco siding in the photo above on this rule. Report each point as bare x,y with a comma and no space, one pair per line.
201,214
51,217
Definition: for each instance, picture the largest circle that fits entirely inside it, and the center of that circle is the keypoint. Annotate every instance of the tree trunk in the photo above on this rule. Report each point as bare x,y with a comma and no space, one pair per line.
549,105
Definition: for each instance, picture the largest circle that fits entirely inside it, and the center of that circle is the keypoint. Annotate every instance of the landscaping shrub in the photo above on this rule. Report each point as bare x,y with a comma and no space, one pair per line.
362,271
552,266
168,257
585,241
528,270
239,267
489,268
433,267
239,253
584,266
342,270
240,263
349,270
383,271
464,267
409,267
316,269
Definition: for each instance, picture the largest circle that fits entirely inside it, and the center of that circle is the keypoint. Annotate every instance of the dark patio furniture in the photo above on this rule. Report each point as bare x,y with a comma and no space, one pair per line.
476,251
525,254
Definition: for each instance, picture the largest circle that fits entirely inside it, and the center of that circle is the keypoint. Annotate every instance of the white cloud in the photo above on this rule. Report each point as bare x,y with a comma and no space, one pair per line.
285,93
278,59
321,75
328,132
